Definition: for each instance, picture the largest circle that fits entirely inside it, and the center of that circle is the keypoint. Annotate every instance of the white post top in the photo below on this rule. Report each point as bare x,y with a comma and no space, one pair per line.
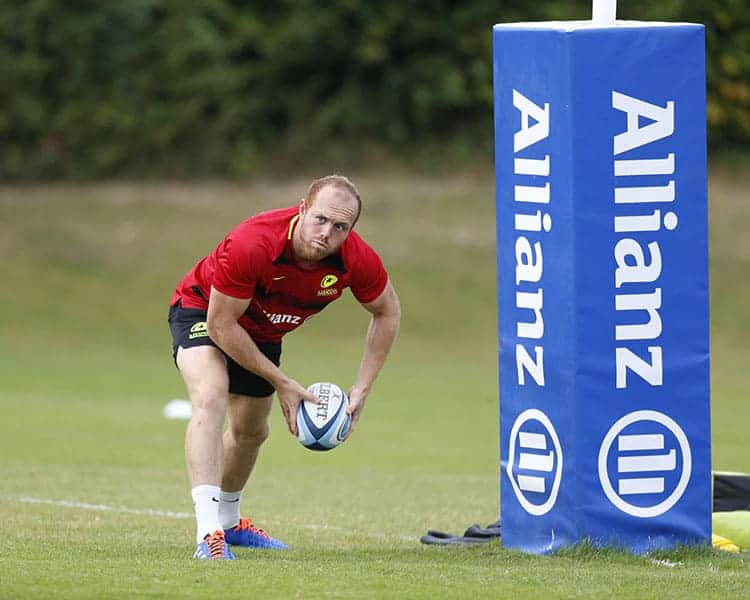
604,12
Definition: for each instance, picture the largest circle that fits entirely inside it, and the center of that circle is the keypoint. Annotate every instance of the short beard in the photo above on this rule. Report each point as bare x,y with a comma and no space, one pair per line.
312,252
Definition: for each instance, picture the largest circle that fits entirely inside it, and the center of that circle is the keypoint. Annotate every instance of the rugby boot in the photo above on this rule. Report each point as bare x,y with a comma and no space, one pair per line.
214,547
249,536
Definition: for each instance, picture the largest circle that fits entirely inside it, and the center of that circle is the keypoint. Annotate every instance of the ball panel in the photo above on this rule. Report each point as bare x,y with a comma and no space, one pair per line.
317,428
325,425
332,436
331,399
318,447
304,435
344,431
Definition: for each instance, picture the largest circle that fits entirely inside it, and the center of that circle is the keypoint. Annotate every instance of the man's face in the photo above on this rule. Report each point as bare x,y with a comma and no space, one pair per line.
323,227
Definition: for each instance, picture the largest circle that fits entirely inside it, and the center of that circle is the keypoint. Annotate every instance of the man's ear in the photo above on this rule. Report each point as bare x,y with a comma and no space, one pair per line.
302,208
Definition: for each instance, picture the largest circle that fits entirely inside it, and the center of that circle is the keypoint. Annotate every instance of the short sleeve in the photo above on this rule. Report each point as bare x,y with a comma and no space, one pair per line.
369,277
241,261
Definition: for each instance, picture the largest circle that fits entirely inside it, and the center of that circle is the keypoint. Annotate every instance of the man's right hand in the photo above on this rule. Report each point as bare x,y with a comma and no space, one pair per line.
290,395
224,313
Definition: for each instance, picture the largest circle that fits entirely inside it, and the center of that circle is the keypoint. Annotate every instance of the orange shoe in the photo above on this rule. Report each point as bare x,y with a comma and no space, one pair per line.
214,547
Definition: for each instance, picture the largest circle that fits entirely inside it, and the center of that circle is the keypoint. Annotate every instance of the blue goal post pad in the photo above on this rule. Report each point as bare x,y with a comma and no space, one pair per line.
602,275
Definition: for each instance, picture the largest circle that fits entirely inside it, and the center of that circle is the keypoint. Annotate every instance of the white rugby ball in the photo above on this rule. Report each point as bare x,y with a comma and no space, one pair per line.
325,425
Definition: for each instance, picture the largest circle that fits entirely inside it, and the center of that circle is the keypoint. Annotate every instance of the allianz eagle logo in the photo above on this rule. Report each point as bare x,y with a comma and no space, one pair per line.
326,284
535,462
644,463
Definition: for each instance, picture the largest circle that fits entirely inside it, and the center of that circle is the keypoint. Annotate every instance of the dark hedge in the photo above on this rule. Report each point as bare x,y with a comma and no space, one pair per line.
221,87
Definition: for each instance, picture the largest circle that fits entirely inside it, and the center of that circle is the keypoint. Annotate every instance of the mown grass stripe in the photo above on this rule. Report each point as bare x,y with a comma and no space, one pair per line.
152,512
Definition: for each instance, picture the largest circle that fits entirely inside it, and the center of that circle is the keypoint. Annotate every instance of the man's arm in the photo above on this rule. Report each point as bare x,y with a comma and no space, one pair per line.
224,329
382,332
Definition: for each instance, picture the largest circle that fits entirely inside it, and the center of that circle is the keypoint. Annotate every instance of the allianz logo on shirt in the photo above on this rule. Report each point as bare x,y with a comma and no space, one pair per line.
535,462
644,463
277,318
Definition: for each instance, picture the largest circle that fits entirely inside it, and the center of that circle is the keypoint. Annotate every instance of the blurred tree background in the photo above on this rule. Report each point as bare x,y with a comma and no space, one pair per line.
162,88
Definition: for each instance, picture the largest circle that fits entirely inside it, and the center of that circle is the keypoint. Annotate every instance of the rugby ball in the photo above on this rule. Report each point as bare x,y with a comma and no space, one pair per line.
325,425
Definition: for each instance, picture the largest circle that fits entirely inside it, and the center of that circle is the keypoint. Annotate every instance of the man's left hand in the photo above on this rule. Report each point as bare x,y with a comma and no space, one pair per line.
357,398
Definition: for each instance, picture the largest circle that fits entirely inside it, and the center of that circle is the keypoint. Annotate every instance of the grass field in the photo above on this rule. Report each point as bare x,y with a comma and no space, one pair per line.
85,369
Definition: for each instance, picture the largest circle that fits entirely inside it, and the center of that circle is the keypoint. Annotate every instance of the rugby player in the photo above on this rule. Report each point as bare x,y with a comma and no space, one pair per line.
228,316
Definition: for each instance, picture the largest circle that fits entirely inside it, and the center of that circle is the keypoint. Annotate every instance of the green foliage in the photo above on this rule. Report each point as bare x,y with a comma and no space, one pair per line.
727,59
159,87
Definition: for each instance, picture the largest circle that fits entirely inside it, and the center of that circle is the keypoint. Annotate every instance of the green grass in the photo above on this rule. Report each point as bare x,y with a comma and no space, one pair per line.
85,369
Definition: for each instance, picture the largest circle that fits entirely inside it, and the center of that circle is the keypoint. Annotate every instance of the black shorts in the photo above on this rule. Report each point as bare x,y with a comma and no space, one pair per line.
188,327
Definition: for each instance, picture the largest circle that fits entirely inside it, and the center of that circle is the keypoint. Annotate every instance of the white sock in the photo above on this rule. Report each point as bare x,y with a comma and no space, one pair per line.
229,508
206,502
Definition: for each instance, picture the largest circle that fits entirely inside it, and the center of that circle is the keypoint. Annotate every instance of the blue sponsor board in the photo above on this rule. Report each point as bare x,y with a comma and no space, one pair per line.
602,260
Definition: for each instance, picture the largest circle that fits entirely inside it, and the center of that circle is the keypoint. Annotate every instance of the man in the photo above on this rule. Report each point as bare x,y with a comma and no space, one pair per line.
227,318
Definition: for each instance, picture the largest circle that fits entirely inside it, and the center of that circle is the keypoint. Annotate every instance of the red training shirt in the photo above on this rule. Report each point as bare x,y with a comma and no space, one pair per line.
256,260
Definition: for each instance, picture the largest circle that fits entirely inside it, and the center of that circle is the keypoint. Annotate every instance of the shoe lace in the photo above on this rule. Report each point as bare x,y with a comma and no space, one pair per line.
247,525
215,544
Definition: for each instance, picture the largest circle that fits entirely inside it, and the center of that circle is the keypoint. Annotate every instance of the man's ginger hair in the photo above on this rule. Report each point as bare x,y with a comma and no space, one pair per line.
337,181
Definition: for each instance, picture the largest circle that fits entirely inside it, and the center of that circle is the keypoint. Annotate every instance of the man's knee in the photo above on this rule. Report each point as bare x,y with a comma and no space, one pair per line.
204,370
212,401
250,434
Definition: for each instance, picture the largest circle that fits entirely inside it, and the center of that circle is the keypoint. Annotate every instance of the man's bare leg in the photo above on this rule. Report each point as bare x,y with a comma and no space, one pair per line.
204,371
248,429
